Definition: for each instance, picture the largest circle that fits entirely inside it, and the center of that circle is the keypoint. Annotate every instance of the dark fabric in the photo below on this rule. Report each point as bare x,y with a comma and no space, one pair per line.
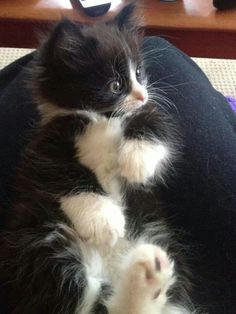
200,198
17,116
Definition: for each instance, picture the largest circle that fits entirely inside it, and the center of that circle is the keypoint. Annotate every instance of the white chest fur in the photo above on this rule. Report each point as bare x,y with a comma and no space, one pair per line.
97,149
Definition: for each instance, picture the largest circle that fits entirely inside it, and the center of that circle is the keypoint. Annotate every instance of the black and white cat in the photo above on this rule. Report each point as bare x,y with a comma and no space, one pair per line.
71,243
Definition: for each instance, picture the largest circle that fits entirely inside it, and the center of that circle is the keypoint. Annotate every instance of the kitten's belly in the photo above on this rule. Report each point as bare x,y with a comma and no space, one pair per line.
97,149
106,263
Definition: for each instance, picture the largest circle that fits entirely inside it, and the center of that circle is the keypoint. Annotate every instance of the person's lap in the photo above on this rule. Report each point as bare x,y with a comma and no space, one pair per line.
200,198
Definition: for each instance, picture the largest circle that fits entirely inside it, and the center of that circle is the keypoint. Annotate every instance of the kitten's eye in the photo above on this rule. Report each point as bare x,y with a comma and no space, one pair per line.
138,72
115,87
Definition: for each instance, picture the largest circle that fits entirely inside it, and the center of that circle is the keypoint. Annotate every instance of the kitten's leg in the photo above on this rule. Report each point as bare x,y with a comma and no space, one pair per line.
148,274
96,218
146,148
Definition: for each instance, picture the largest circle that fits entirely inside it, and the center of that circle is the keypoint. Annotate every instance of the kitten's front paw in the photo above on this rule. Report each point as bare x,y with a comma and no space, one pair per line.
96,218
106,226
140,160
150,271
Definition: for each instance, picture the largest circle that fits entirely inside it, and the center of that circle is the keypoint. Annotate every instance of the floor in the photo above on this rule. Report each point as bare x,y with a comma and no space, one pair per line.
222,73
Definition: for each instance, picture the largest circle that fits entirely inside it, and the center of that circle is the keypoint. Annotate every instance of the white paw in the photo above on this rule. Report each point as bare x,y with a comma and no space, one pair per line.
106,226
140,160
96,218
150,271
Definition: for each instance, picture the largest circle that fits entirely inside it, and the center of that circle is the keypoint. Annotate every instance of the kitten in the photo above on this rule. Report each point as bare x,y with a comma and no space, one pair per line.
71,245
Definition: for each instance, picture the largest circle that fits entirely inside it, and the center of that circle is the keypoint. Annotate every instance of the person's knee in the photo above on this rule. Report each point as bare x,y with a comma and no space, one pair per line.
154,42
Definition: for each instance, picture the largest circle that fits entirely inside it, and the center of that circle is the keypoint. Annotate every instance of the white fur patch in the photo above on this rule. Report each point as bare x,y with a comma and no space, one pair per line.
96,218
90,296
97,149
138,95
49,111
95,276
140,160
177,309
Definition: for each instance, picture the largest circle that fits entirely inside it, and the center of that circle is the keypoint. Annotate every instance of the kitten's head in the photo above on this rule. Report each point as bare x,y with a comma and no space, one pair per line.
97,67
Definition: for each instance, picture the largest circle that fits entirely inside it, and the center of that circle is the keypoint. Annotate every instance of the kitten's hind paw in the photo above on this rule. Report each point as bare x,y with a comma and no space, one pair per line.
150,271
146,275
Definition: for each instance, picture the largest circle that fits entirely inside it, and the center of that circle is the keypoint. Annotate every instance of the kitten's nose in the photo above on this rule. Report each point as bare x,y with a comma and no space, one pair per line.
140,96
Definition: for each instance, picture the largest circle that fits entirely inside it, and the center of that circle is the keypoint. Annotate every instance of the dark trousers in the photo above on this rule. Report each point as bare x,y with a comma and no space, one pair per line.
200,198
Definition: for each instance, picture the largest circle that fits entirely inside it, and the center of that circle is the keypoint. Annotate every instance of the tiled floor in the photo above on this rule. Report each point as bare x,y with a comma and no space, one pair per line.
222,73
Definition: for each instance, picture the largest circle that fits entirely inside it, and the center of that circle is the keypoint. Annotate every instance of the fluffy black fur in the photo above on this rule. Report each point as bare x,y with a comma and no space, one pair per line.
72,70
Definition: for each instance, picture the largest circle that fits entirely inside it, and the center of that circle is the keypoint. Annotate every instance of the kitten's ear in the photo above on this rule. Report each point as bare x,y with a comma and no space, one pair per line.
63,41
126,18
